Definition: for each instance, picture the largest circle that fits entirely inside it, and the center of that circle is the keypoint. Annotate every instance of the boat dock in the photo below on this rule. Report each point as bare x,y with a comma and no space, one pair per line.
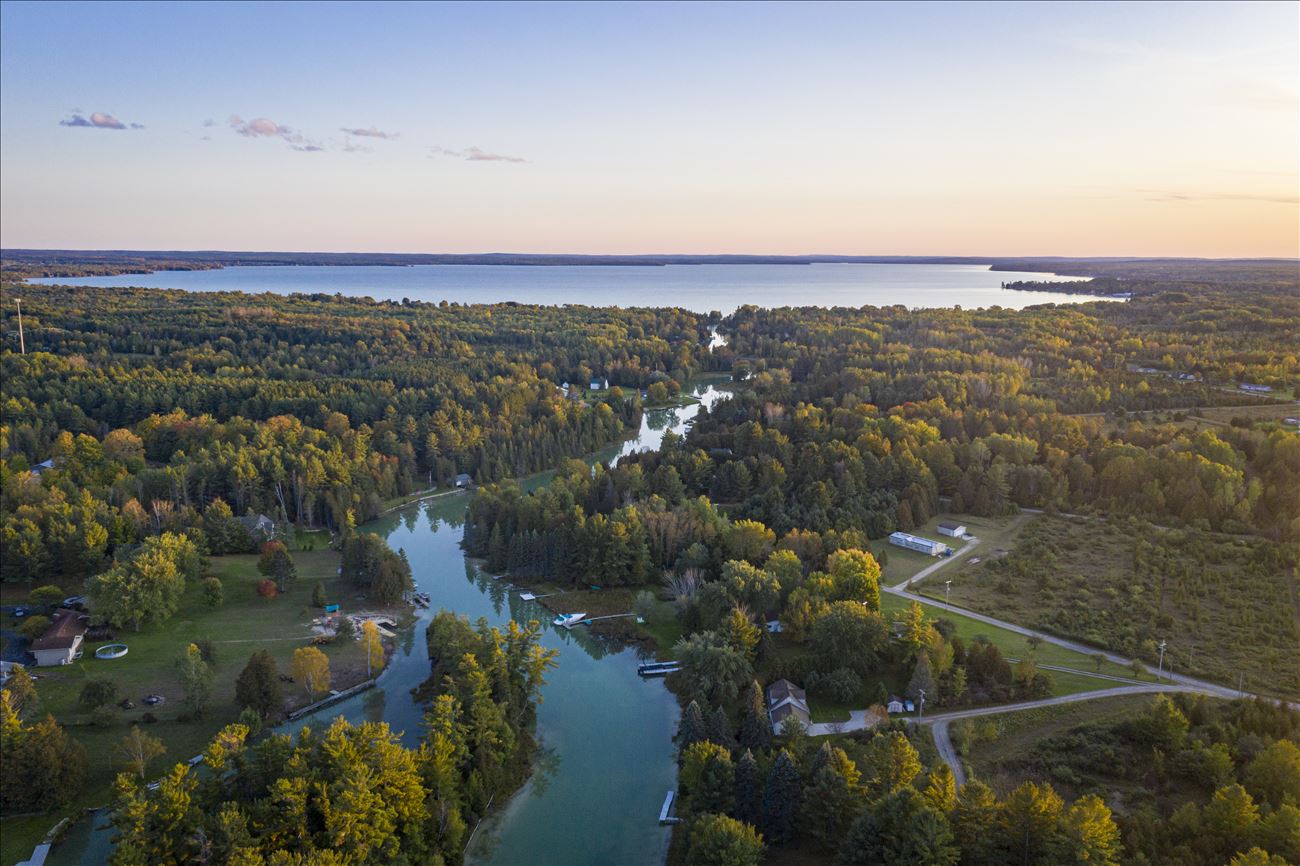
665,813
658,669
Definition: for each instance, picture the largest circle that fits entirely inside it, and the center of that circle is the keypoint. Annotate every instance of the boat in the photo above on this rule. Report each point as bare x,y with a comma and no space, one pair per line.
569,620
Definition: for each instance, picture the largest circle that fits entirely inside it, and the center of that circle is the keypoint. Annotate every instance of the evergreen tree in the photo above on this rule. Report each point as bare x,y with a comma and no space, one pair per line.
749,789
258,686
720,729
781,799
692,728
708,779
755,727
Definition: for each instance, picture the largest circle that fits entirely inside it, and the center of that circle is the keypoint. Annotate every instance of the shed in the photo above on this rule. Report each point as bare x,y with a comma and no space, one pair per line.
953,530
895,704
62,640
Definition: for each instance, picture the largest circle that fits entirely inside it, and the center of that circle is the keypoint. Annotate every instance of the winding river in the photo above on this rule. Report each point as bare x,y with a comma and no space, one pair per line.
606,757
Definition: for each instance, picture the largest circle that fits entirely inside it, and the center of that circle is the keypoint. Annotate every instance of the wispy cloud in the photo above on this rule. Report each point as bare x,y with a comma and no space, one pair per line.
262,127
1174,195
368,132
474,154
98,120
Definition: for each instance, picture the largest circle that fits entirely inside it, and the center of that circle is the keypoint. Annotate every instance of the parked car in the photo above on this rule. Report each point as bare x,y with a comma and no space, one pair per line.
19,612
76,602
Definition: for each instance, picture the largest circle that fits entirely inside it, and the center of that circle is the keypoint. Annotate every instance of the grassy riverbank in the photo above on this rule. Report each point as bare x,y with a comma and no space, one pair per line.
242,625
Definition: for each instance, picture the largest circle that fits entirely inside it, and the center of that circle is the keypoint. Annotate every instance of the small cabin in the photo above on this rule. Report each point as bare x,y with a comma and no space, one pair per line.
952,530
895,705
599,385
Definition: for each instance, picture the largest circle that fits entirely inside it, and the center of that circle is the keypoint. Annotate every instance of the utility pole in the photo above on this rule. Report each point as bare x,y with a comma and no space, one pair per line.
22,344
920,713
1160,669
947,588
1241,676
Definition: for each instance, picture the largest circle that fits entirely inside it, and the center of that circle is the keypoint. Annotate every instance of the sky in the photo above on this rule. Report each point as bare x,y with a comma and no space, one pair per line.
1077,129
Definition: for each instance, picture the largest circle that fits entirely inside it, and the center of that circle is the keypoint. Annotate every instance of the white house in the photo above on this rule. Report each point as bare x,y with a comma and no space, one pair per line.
895,705
953,530
1259,389
62,640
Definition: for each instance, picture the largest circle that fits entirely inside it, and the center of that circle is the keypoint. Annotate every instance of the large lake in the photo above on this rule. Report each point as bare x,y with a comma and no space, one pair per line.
701,288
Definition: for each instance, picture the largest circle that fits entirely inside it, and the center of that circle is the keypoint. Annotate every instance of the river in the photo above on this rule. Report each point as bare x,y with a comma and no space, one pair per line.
700,288
607,756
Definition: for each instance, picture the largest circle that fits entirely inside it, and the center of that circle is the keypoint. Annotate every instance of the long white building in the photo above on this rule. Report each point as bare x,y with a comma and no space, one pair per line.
917,543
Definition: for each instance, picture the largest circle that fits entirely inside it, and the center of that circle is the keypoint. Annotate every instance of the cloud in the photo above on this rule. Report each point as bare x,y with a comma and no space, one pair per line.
474,154
98,120
262,127
1165,195
369,132
209,123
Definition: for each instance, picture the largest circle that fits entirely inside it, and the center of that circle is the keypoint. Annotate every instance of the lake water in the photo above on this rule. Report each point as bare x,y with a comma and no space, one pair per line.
607,756
701,288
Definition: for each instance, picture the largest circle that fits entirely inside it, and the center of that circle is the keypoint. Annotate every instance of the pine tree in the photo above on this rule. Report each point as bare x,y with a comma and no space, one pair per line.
720,729
749,789
692,728
781,799
922,681
755,729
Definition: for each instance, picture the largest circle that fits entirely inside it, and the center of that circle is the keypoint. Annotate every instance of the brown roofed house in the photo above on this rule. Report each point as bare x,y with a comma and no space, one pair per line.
785,699
62,640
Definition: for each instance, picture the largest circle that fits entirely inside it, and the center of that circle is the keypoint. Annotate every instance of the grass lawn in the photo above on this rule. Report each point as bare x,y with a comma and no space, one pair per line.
994,533
244,624
1017,646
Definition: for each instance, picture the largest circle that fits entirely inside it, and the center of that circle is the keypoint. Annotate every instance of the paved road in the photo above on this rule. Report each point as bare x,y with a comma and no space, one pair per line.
1177,679
943,742
970,545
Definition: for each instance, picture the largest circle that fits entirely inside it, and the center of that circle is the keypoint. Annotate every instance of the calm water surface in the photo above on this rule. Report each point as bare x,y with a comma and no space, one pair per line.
607,756
701,288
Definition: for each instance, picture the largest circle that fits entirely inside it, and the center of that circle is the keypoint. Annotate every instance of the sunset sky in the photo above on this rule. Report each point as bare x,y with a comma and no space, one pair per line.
1017,129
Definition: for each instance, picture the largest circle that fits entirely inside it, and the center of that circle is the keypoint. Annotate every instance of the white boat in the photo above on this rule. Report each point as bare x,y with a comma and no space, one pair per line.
568,620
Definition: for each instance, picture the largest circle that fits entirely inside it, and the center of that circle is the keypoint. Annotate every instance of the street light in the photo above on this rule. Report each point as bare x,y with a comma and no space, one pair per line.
947,588
1160,668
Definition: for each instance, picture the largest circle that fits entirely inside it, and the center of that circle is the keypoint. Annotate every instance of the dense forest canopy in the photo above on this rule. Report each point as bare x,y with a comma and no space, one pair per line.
316,410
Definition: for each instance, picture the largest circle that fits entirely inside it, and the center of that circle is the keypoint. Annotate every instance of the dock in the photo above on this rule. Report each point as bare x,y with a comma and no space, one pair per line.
658,669
665,813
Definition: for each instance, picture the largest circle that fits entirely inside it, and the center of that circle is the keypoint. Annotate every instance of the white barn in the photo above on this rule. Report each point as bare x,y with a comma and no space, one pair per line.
953,530
917,543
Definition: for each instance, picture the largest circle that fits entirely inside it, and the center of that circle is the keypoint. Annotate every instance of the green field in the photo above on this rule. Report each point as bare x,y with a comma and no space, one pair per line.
244,624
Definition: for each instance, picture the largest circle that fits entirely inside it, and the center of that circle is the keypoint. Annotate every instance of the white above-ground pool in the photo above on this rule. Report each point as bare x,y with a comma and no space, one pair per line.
111,651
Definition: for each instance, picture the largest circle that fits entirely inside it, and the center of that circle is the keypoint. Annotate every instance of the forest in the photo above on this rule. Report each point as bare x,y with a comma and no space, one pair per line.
846,425
141,425
167,411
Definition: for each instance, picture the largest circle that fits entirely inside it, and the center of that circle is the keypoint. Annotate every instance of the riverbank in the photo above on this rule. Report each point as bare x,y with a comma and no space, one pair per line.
245,623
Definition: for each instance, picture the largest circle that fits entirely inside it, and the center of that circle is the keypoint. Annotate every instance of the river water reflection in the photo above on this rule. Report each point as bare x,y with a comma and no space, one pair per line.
607,755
